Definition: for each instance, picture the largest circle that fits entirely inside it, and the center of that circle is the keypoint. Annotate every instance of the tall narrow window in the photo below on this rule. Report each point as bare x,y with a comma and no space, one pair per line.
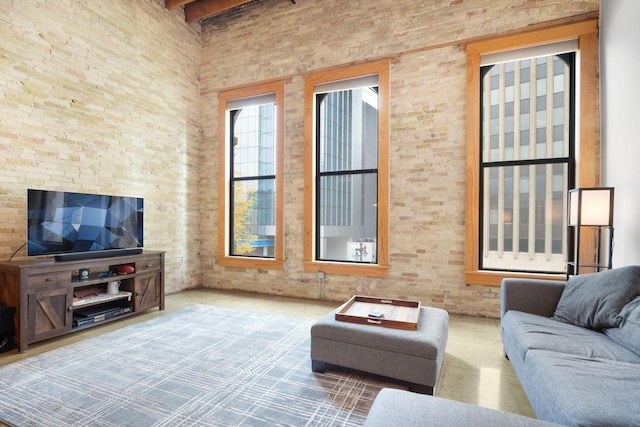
252,182
347,168
527,145
531,107
251,191
347,165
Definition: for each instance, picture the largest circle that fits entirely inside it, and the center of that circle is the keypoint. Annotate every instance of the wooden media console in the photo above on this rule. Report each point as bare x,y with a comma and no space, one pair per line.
51,299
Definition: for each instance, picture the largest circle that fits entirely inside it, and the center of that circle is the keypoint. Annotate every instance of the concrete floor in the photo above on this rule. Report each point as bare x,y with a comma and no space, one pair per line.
474,371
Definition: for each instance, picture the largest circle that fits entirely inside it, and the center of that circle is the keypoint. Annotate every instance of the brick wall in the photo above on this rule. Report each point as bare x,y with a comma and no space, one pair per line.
102,97
277,39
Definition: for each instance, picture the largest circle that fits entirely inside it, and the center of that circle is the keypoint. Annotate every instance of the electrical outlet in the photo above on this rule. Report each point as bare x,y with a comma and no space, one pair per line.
321,275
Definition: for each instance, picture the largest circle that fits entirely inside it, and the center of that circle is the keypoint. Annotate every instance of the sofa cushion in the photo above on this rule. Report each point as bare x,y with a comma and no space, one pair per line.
523,332
595,300
579,391
402,408
628,333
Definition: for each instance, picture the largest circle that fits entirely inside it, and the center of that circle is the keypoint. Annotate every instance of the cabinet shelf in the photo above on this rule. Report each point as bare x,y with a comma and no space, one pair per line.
96,279
574,264
101,298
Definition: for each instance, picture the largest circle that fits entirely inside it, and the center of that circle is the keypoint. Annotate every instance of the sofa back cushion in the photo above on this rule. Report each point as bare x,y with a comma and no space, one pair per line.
628,333
596,300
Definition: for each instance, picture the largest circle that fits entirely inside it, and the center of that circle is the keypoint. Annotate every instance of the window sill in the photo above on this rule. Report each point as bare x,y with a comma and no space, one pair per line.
347,269
494,278
246,262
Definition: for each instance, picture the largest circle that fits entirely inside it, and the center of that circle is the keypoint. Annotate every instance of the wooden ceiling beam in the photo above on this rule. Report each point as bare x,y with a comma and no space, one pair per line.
173,4
194,11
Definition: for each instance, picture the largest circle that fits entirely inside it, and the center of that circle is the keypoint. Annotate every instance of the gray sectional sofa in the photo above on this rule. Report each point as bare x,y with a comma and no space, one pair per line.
575,346
403,408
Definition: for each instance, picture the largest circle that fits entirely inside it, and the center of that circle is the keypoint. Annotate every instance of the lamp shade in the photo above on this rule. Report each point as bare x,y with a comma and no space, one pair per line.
591,206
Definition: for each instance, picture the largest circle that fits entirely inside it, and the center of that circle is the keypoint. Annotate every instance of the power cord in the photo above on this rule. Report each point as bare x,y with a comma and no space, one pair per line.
17,250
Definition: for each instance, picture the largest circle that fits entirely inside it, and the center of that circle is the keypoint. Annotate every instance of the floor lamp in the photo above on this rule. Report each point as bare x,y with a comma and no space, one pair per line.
591,207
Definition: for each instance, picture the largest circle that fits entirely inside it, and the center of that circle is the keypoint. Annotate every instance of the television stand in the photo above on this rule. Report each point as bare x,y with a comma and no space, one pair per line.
51,300
74,256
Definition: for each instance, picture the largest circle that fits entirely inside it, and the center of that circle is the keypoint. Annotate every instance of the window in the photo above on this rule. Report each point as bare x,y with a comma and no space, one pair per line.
527,146
346,177
529,141
250,196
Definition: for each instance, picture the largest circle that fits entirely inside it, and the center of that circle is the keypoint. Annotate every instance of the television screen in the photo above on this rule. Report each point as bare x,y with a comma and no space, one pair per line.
61,222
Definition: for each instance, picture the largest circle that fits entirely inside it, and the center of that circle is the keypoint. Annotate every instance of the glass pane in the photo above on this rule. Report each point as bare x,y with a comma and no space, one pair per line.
558,207
533,109
253,140
525,217
493,208
348,130
348,215
540,210
253,227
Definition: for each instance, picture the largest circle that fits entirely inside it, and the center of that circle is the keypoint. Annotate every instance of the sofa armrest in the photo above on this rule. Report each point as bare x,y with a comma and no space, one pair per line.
533,296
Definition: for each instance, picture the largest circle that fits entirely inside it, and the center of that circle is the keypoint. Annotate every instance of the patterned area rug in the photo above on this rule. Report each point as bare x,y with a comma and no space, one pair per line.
200,366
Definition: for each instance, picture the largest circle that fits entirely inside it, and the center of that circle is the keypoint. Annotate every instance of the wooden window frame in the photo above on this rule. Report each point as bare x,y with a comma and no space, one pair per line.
224,257
587,140
381,268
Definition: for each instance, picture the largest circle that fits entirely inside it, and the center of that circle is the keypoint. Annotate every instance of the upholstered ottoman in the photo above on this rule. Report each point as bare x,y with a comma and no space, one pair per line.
412,357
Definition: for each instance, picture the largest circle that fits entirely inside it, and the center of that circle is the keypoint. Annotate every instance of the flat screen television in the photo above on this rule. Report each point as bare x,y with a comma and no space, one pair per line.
78,225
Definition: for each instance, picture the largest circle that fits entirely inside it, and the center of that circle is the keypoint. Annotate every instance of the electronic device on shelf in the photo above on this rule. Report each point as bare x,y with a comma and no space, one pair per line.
98,314
75,226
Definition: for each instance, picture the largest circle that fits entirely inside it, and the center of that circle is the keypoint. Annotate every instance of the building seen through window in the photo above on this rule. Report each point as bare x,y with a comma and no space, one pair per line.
526,166
252,208
347,174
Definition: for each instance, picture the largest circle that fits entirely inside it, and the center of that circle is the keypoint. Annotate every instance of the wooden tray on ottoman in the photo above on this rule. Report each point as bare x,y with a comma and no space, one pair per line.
396,313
